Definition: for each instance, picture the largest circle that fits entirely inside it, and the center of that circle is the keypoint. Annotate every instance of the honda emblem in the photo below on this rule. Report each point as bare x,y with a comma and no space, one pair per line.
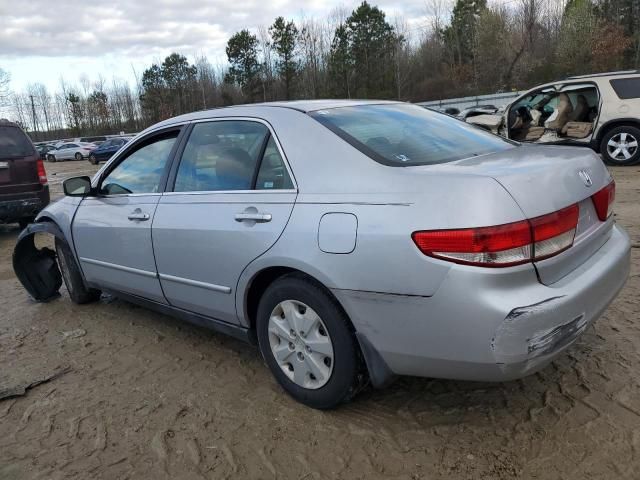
586,178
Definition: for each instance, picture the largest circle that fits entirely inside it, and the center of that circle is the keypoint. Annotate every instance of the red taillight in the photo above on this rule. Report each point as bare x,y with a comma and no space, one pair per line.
503,245
603,201
42,174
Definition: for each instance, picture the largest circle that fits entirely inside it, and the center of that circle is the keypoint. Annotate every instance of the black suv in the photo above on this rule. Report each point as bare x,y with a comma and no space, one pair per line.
24,189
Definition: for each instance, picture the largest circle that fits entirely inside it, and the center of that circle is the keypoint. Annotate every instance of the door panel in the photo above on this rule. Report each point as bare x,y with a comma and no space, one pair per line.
112,232
202,248
114,250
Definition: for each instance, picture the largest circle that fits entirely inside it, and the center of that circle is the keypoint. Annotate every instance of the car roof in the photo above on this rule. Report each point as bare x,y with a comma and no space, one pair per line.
266,109
604,74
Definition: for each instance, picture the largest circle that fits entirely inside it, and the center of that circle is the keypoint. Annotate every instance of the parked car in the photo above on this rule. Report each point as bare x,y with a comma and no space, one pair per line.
600,111
105,150
70,151
44,149
96,139
24,190
351,240
477,110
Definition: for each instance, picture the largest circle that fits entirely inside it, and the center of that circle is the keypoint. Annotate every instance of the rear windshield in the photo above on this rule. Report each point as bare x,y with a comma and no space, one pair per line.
626,88
14,143
407,135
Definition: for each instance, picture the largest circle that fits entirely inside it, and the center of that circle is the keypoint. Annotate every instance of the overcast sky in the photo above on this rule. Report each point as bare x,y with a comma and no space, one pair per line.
40,40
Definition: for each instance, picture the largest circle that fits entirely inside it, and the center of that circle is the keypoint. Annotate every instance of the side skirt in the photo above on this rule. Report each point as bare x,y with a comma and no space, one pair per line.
236,331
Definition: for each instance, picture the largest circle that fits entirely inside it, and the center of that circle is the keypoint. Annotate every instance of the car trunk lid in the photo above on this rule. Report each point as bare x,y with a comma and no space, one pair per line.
547,179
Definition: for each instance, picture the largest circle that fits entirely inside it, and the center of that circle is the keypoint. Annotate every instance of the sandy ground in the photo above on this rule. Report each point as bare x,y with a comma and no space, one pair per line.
141,395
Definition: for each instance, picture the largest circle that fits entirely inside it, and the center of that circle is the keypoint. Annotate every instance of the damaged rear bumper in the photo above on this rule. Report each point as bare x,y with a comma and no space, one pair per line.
37,269
484,324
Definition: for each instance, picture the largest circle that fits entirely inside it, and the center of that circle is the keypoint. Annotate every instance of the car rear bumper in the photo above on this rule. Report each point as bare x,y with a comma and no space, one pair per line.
17,206
484,325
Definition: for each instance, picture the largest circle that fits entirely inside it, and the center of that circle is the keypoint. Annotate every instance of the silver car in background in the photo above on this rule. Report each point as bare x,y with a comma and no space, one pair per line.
71,151
352,241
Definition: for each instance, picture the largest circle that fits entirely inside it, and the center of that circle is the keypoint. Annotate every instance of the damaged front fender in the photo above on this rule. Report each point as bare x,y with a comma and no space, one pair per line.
37,269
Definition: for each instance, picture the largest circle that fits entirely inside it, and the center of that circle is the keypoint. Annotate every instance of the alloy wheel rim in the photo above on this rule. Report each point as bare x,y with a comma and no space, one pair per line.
622,146
300,344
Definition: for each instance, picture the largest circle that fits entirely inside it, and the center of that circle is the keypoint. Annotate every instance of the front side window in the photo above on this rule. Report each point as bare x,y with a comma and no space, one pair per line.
408,135
220,156
141,170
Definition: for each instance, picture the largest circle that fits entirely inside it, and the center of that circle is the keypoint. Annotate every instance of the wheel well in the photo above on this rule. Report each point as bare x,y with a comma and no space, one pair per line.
615,124
265,278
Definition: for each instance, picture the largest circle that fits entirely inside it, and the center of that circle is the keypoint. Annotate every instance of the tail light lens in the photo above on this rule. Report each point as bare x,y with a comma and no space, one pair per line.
503,245
603,201
42,174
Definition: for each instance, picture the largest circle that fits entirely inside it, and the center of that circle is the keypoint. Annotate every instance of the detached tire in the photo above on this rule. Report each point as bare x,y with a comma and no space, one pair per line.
621,146
308,343
71,275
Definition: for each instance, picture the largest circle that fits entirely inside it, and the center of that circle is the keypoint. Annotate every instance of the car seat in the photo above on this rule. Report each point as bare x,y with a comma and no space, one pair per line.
560,116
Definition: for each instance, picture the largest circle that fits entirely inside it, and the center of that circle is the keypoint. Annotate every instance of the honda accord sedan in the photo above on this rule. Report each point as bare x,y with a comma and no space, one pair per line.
352,241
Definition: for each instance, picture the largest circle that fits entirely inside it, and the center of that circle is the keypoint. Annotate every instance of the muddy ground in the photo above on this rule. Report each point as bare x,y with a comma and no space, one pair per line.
141,395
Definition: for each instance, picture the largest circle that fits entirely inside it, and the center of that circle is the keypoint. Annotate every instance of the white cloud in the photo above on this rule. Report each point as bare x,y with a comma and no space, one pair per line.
40,40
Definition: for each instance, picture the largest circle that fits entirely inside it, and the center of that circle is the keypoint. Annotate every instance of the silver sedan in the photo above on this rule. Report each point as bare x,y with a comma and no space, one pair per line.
352,241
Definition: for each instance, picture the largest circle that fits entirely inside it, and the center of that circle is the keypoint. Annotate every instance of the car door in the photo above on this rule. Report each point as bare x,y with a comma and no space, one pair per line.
112,230
232,197
69,151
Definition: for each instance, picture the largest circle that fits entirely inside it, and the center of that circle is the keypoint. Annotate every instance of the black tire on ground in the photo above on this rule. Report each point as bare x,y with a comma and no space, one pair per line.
78,156
72,277
349,373
625,136
51,158
93,160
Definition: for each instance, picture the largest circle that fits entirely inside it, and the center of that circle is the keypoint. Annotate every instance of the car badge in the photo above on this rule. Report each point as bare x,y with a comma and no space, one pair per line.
586,178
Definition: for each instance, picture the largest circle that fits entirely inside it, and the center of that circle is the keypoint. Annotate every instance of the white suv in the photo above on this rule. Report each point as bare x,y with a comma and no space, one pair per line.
601,111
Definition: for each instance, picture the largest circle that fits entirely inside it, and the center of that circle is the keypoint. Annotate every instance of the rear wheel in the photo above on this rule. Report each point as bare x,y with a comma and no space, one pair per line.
78,156
306,340
92,159
620,146
51,158
72,277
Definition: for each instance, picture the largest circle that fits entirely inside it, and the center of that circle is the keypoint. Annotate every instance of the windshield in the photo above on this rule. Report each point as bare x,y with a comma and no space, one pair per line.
14,143
408,135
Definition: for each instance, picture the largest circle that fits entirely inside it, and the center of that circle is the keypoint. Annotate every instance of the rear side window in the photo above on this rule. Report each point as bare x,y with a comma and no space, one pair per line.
14,143
407,135
220,156
626,88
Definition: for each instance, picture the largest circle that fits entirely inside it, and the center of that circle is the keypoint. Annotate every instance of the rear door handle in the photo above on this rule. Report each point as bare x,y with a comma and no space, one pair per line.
253,217
137,215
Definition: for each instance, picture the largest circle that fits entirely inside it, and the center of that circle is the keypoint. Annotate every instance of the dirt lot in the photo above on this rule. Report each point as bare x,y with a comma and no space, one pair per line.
140,395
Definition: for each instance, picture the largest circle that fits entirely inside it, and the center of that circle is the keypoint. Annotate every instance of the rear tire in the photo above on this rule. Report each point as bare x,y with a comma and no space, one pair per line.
78,292
621,146
51,158
93,160
78,156
328,376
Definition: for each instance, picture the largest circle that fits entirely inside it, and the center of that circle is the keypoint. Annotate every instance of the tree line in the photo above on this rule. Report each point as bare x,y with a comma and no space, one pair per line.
467,47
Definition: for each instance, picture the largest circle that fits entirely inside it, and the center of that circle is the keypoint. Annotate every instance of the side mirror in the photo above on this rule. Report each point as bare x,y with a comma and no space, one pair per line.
77,186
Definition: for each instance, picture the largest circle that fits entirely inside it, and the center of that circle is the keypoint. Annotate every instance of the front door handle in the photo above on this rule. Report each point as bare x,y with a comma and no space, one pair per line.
138,215
253,217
